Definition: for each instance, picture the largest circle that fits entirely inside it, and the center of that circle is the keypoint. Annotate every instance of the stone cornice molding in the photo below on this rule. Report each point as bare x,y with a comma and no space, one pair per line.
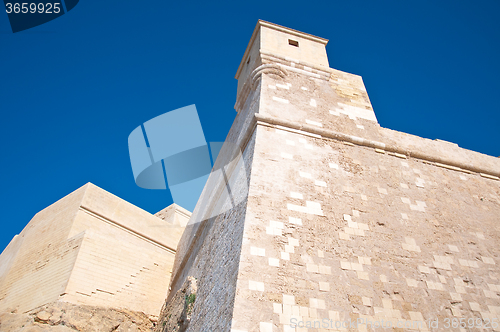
253,79
127,229
379,147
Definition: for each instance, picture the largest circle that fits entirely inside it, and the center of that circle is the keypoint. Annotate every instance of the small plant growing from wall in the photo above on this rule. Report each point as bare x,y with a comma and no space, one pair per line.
176,313
190,303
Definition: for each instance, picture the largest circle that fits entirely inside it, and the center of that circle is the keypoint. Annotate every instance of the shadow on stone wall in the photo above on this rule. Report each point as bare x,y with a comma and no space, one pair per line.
176,314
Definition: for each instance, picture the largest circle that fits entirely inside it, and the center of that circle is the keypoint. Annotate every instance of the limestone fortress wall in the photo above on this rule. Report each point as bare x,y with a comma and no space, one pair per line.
341,219
318,215
92,248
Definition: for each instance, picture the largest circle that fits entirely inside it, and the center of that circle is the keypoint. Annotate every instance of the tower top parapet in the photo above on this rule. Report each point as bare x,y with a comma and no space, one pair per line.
273,39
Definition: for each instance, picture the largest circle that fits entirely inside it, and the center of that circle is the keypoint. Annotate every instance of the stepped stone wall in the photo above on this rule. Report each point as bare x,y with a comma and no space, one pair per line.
38,262
92,248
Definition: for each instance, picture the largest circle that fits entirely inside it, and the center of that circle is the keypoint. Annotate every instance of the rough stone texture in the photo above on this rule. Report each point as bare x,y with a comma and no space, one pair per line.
67,317
214,265
210,247
343,219
176,313
92,248
377,238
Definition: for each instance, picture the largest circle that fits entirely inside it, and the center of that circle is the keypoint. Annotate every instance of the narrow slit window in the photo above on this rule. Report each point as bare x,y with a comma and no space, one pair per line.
293,42
248,61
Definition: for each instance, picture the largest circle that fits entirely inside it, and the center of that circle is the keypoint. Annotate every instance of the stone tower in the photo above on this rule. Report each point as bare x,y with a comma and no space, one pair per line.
323,220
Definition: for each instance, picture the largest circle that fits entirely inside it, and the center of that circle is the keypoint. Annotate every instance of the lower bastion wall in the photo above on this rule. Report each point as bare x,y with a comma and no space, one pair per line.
118,269
39,269
90,248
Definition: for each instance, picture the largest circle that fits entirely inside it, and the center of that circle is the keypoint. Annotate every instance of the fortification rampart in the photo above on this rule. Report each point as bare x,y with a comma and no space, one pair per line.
344,220
92,248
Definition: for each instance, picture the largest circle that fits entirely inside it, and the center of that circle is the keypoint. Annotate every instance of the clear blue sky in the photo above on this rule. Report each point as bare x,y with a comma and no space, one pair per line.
72,90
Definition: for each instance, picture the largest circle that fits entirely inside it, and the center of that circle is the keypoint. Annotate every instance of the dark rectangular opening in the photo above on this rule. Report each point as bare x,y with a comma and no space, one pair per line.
293,43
